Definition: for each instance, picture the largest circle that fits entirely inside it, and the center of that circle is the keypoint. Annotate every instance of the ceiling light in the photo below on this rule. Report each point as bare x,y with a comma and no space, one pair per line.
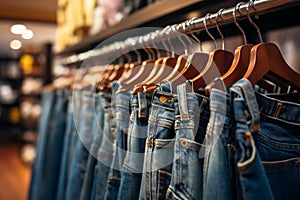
27,34
18,28
15,44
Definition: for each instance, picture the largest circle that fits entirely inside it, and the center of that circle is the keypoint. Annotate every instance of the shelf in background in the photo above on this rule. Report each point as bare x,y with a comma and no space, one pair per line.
158,14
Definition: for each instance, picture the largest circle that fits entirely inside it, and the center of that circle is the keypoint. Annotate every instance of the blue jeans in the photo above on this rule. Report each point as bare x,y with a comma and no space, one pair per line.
104,154
38,169
120,107
82,144
278,142
192,114
97,130
134,159
159,145
219,172
253,180
64,169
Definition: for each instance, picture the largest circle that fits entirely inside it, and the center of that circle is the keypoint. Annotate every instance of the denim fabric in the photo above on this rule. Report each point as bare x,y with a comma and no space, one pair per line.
55,145
278,142
219,170
192,115
120,107
97,130
105,153
159,145
82,144
253,180
38,169
134,159
63,176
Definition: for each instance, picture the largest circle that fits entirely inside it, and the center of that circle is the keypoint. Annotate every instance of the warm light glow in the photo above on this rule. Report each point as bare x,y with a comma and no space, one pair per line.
28,34
18,28
15,44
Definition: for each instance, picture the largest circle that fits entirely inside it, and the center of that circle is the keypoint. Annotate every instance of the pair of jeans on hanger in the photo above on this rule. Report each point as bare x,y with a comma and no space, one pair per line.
105,150
192,114
47,164
120,108
140,106
159,149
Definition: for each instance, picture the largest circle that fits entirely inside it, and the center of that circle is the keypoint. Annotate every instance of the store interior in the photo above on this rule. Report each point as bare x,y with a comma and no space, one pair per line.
44,43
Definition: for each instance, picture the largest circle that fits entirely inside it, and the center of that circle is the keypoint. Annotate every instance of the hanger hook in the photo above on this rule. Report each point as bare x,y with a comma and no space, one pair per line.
220,14
169,29
206,29
186,36
192,21
236,23
161,33
179,37
251,21
153,37
147,39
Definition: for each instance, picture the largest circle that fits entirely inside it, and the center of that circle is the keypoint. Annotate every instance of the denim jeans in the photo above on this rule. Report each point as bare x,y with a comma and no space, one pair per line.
55,145
192,114
97,131
82,144
63,175
120,107
278,142
219,170
38,169
134,159
159,145
104,154
253,180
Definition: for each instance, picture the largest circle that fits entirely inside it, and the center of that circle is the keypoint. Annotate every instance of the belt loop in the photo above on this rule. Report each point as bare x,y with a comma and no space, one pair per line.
142,105
182,102
278,109
250,98
167,82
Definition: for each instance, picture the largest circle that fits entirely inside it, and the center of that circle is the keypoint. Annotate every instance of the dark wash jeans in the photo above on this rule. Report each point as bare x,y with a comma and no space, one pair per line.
192,115
253,180
133,163
278,142
82,144
159,149
38,169
120,108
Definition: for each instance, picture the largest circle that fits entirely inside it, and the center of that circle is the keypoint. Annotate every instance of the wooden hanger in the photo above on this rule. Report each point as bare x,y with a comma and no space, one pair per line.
194,65
219,62
266,61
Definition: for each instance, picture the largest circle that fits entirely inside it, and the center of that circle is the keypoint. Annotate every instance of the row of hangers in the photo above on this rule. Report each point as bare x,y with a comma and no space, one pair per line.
261,64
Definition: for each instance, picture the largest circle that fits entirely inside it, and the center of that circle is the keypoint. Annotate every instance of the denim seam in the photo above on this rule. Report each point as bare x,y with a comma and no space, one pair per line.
163,107
273,165
279,119
277,145
248,164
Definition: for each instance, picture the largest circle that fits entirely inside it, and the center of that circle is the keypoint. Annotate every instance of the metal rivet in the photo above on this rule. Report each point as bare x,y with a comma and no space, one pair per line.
183,143
163,99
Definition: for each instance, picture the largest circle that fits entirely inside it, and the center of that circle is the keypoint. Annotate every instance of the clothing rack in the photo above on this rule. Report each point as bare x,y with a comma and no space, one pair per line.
224,16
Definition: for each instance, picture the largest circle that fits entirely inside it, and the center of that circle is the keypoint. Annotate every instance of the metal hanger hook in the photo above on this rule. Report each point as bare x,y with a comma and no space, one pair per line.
235,21
206,29
179,37
220,13
252,22
192,21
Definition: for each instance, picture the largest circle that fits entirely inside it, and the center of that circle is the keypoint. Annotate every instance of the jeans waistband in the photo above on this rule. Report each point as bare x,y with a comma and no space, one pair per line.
280,109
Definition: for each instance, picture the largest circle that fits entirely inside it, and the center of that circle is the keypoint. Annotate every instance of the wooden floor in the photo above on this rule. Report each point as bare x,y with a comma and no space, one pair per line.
14,175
